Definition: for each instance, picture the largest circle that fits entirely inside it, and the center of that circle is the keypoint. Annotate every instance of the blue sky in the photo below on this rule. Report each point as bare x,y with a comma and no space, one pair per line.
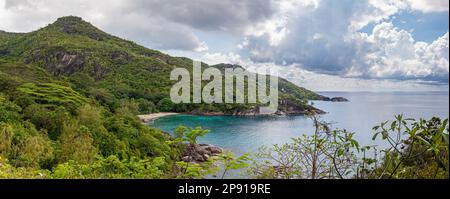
318,44
425,27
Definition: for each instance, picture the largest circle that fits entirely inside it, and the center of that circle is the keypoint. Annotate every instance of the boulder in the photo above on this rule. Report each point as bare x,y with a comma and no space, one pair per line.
200,152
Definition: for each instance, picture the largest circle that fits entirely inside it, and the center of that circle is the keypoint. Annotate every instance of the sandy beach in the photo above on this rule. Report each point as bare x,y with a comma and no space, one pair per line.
153,116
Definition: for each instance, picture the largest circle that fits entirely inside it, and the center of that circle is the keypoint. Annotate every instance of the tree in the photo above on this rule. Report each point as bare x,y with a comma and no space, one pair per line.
190,170
165,105
10,112
77,144
324,154
418,149
145,106
43,118
229,162
192,135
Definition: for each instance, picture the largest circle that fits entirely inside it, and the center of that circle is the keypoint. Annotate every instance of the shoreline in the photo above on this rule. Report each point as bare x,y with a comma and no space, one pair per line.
153,116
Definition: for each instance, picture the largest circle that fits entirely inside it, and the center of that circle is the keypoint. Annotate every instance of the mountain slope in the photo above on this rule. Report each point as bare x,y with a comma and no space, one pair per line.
98,64
69,96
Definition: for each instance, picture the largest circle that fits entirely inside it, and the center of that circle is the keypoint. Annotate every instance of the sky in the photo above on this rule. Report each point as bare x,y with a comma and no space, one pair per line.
323,45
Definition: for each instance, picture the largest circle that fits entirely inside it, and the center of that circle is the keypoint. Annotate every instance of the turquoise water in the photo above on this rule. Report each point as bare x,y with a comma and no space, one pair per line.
365,110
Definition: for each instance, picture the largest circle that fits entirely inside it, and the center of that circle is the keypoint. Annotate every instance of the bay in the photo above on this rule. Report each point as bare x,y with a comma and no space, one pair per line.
359,115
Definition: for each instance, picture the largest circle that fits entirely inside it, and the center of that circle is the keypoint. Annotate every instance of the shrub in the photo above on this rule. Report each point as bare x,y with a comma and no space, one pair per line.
165,105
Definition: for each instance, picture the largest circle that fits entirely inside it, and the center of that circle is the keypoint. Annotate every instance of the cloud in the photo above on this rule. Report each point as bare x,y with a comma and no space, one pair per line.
318,36
318,81
155,32
226,15
325,37
323,82
429,5
395,54
154,23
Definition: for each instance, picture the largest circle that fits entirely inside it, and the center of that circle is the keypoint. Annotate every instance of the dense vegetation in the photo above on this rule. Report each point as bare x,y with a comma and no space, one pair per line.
69,96
416,150
51,136
70,93
110,69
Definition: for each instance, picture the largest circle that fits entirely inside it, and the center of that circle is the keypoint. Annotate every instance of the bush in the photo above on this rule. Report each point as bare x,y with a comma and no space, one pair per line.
145,106
165,105
24,146
44,119
76,144
10,112
112,167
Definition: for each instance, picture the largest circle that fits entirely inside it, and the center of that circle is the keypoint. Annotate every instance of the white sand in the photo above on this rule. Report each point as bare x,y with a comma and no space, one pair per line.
153,116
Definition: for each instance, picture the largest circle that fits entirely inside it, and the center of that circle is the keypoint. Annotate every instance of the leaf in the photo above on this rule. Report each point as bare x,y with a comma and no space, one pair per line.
393,125
384,134
375,128
375,136
424,141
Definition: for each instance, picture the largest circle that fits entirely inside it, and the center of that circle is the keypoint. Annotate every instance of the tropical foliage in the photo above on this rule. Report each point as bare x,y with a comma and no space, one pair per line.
70,93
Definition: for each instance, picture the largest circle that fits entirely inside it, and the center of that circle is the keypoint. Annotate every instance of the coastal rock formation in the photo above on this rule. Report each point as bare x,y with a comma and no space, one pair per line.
200,152
334,99
284,110
339,99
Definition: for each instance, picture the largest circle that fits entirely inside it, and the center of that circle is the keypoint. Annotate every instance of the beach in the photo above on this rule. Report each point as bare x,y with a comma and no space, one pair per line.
153,116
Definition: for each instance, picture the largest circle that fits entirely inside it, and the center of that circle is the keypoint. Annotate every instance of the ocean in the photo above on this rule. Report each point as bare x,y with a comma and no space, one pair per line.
359,115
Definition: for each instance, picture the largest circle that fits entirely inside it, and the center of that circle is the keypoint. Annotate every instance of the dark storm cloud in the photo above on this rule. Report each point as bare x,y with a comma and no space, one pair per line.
224,15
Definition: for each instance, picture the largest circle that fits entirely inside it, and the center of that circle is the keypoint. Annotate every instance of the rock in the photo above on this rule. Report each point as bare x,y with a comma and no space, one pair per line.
66,63
197,157
186,159
214,150
280,113
120,57
333,99
339,99
200,152
99,71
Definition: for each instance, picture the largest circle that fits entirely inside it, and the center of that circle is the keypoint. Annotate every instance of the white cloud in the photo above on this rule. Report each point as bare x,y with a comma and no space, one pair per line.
322,82
319,37
429,5
316,81
154,23
325,38
218,58
395,54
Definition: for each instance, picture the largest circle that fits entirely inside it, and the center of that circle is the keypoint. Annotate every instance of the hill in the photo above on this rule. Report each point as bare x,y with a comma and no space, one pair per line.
69,96
97,64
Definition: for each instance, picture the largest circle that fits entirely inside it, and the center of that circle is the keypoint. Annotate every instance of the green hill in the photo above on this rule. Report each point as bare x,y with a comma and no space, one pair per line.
92,60
69,96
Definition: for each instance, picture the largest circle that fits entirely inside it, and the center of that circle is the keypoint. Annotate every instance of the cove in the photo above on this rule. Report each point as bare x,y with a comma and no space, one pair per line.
365,110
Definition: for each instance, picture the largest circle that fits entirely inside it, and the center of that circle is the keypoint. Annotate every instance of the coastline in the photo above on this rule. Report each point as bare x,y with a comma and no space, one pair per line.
153,116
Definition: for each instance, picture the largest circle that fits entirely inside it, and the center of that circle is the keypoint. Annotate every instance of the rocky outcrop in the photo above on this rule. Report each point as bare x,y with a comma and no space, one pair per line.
120,57
65,63
339,99
283,110
334,99
200,152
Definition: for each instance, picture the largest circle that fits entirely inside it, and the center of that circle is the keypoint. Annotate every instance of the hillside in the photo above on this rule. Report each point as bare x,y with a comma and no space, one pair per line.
111,69
69,96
